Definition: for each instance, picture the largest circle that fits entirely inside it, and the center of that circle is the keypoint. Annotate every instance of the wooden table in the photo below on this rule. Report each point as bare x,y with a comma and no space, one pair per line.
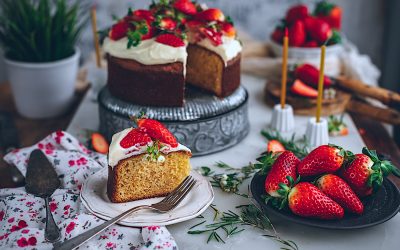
373,133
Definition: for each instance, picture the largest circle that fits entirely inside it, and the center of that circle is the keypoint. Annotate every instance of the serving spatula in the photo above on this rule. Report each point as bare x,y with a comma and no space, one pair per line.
41,180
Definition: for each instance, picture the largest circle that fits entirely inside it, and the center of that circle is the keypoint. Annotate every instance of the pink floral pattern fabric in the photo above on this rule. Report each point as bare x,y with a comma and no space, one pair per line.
22,216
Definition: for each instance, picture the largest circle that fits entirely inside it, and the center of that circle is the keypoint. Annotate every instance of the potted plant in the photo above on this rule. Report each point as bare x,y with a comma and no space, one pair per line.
39,43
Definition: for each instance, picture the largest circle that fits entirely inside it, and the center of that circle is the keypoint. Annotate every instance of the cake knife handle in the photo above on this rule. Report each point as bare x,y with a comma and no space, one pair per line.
80,239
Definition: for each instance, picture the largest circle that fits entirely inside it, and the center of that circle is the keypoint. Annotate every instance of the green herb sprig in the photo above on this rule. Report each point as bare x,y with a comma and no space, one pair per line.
231,180
298,147
40,31
228,223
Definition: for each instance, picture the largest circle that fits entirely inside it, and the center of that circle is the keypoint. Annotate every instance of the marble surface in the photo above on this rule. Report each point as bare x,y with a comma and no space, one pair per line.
384,236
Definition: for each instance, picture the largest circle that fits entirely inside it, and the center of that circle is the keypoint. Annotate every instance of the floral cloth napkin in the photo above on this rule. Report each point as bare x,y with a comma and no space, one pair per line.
22,216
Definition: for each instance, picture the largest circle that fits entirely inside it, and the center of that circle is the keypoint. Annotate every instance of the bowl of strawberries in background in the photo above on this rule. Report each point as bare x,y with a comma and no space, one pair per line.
307,31
328,188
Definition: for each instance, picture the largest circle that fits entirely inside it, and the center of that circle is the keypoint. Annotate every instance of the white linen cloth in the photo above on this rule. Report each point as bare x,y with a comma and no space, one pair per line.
22,216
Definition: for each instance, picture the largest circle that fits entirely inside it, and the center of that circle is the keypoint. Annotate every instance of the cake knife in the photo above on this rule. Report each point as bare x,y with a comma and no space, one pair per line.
42,180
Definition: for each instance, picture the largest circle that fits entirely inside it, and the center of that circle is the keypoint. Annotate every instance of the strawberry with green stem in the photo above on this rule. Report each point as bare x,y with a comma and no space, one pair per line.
330,13
306,200
324,159
366,171
285,165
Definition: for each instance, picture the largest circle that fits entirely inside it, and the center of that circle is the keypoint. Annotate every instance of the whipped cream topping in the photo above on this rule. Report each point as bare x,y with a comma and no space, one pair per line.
148,52
228,50
117,153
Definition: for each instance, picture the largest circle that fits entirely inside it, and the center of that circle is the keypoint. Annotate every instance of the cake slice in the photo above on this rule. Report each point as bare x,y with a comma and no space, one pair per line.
145,162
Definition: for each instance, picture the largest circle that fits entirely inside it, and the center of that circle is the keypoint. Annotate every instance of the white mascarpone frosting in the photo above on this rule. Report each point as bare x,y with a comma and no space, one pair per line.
117,153
147,52
150,52
228,50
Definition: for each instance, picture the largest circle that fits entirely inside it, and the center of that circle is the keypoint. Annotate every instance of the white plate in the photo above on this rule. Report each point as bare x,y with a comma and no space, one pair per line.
94,197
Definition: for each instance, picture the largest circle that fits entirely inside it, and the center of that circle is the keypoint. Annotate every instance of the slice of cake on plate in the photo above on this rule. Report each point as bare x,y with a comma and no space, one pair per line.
152,53
145,162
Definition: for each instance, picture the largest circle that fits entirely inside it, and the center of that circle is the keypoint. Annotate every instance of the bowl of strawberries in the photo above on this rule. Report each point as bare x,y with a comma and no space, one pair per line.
329,188
307,31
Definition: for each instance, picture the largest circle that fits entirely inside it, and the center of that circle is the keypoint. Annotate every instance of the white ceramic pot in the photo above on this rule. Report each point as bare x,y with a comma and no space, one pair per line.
43,90
298,55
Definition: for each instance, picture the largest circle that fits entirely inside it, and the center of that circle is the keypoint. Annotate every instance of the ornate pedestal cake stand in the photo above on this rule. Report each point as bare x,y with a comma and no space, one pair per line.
206,123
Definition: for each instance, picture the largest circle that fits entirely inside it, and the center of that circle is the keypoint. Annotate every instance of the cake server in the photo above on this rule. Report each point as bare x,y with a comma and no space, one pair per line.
170,202
42,180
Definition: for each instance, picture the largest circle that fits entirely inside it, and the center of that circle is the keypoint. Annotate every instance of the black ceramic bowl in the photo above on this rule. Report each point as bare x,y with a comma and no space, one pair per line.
378,208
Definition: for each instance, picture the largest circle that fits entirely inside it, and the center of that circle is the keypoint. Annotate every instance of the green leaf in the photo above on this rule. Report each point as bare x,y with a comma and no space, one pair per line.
40,31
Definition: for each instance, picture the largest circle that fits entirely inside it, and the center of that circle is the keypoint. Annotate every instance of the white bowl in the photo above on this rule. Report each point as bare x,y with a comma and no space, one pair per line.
299,55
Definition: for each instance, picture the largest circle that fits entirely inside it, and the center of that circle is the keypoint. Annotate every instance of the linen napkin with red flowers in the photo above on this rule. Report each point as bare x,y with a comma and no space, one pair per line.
22,216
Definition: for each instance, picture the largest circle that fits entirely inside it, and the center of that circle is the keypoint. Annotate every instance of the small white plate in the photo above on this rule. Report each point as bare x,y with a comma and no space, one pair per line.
94,198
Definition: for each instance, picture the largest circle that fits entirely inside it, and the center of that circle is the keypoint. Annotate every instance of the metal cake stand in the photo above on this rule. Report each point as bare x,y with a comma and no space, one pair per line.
206,124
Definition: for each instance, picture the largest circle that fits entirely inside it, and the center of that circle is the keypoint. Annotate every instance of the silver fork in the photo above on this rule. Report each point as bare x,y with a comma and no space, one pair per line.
167,204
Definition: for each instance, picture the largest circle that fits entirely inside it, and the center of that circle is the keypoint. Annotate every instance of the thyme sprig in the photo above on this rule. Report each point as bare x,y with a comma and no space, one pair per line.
298,146
228,223
233,177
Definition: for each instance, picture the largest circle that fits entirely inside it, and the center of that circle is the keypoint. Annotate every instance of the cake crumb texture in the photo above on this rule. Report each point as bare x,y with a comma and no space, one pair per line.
138,178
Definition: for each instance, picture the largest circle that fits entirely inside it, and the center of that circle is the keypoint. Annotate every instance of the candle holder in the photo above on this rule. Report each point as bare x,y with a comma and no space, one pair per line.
317,132
282,118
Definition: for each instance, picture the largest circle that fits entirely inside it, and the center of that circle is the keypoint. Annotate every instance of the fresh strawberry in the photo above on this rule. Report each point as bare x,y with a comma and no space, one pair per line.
167,23
365,173
323,159
99,143
330,13
211,14
157,131
170,40
338,190
214,36
193,24
299,88
297,34
119,30
307,200
284,165
185,6
318,29
228,29
275,146
310,75
311,44
298,12
143,14
278,35
150,31
135,137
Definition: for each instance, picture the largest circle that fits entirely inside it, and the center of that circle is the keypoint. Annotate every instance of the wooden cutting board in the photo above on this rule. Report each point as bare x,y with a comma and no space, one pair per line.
307,106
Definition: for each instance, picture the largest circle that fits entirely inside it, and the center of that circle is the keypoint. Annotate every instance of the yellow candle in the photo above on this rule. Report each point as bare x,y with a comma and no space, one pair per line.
95,37
320,83
284,68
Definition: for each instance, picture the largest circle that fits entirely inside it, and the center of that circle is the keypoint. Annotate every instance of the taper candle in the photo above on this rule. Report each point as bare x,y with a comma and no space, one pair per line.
320,83
284,68
95,36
